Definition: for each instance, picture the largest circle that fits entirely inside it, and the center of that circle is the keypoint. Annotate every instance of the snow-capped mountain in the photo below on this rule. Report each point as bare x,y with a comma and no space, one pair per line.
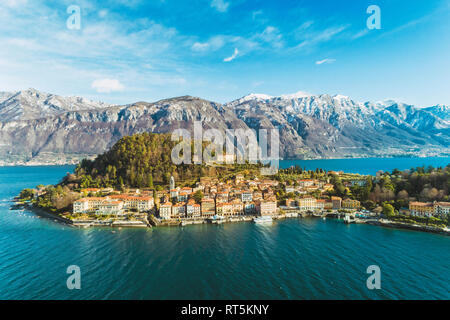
337,126
440,111
5,95
36,126
32,104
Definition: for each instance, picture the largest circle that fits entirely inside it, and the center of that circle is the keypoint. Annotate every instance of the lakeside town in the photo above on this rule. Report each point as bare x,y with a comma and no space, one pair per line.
237,199
135,184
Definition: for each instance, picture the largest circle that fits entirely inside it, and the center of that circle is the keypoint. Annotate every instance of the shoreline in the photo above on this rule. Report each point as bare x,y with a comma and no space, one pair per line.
393,156
407,226
237,219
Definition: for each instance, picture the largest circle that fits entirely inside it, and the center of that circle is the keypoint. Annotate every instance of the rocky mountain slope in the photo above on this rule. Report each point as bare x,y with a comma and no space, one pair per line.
69,136
336,126
38,128
32,104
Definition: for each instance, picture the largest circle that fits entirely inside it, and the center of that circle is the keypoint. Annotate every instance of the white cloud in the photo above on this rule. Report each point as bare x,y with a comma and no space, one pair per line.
272,36
314,38
103,13
212,44
361,33
13,3
255,14
326,61
107,85
220,5
233,56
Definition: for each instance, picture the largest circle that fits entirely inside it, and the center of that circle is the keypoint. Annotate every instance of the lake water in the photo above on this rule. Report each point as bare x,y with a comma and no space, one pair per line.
367,165
290,259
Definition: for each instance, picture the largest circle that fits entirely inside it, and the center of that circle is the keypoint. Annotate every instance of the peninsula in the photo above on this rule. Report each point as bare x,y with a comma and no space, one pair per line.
136,184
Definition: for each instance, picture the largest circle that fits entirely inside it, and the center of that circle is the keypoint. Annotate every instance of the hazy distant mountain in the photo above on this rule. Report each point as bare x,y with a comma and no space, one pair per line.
37,127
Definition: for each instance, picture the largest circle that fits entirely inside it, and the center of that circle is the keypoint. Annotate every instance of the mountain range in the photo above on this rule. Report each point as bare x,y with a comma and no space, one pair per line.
42,128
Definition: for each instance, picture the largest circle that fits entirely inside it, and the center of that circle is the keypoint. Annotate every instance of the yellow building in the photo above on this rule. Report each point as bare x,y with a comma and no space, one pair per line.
350,204
208,207
421,209
224,209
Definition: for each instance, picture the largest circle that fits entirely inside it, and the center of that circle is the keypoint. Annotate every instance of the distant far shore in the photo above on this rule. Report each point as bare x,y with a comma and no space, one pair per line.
312,159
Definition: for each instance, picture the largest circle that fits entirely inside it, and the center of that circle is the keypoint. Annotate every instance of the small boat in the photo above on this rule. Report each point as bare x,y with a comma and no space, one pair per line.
349,219
324,218
217,219
264,219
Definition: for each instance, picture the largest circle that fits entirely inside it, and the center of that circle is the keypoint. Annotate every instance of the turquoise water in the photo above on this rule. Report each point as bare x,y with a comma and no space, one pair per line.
368,165
291,259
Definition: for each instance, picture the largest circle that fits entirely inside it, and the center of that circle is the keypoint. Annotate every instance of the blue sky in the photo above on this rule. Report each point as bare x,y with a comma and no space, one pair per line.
127,51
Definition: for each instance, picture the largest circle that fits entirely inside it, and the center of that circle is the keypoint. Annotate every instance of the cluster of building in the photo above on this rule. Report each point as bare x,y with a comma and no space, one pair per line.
114,204
306,186
225,199
429,209
313,204
235,197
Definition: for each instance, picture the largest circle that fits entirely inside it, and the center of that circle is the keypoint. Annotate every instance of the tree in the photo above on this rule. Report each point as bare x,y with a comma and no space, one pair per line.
198,196
150,180
26,194
403,195
388,210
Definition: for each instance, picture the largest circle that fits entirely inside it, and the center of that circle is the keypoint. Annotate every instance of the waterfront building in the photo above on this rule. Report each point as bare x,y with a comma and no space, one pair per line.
337,202
350,204
249,208
87,205
266,208
138,203
224,209
208,207
442,209
110,207
307,203
421,209
320,204
328,205
197,210
190,208
80,206
238,207
178,210
165,210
